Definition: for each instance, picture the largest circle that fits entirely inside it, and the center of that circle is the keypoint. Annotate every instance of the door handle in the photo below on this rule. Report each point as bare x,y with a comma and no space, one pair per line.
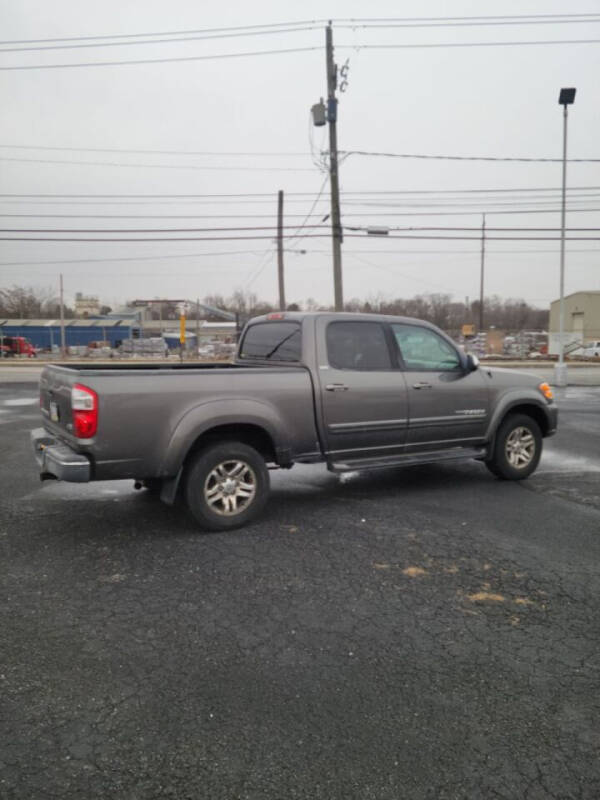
336,387
422,385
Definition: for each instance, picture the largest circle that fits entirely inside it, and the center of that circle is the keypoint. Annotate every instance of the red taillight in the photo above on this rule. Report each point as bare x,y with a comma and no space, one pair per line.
84,404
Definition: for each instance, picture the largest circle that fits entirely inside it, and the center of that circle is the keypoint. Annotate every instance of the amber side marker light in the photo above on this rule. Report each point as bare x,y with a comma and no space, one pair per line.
546,391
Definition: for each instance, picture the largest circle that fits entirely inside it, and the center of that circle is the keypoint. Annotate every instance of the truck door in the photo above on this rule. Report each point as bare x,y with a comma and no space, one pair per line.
448,406
362,391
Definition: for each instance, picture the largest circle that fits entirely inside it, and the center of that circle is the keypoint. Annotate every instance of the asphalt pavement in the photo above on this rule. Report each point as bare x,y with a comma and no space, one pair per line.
412,633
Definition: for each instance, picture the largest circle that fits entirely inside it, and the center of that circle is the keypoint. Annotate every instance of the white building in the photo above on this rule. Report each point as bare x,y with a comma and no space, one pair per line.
86,306
582,321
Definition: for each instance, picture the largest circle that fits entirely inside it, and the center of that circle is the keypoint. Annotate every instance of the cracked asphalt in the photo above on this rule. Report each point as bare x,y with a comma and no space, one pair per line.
414,633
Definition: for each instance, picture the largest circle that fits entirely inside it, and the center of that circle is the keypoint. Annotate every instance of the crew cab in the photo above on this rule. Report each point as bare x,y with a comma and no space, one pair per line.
355,391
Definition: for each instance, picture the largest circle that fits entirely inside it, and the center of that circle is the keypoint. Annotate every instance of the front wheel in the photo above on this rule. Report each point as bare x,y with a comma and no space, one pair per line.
517,448
227,485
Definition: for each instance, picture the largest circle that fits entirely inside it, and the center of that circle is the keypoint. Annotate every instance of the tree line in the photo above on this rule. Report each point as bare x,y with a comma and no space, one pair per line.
504,314
18,302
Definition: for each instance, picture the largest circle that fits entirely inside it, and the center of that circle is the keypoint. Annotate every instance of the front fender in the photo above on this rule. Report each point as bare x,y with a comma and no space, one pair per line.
222,411
515,398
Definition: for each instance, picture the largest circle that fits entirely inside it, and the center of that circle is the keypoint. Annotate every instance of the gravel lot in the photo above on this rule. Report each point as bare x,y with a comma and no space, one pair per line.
414,633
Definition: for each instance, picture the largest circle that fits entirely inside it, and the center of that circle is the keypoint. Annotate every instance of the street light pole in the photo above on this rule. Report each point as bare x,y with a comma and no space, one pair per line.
566,98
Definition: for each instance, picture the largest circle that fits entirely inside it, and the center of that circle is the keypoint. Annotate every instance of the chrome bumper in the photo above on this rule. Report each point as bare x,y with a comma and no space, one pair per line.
57,460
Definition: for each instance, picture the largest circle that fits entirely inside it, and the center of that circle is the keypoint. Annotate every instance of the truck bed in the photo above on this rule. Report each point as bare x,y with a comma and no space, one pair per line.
149,415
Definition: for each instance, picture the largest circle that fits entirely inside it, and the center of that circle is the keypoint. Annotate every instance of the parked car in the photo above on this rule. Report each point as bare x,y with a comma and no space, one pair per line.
591,349
358,392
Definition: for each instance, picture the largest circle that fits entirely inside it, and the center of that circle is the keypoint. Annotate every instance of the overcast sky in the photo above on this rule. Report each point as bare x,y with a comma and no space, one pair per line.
461,101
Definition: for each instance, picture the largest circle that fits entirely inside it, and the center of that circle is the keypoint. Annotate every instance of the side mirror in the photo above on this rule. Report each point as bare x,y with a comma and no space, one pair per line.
472,362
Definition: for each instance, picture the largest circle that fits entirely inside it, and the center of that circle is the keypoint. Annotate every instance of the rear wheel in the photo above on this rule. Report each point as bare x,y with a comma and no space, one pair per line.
517,448
227,485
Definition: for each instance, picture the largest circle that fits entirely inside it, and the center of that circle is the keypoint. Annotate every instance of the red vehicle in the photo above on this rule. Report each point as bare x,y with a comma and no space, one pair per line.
16,346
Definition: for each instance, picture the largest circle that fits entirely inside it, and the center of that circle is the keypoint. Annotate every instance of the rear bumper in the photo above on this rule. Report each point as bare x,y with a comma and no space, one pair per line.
57,460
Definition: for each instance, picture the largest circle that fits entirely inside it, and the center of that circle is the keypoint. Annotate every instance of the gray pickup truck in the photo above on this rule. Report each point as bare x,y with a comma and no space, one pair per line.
356,391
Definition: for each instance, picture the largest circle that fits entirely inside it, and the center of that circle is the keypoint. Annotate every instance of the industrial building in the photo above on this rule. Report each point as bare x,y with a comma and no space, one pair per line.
582,321
44,334
86,306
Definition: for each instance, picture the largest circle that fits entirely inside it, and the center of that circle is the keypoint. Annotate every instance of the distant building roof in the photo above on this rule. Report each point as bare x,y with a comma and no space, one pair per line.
573,294
69,323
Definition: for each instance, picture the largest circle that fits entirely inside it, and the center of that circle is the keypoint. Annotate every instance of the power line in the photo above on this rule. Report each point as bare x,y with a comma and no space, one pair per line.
163,60
453,228
355,46
156,239
483,205
242,28
262,266
310,212
339,22
159,216
348,193
157,166
483,22
390,236
149,152
131,40
469,211
445,252
190,38
379,215
428,45
128,258
466,158
148,230
236,229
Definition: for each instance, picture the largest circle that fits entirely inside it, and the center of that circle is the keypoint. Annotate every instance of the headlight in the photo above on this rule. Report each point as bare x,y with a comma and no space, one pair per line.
546,391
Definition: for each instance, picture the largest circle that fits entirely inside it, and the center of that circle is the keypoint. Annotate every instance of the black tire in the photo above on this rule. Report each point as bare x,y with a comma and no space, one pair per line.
523,433
212,474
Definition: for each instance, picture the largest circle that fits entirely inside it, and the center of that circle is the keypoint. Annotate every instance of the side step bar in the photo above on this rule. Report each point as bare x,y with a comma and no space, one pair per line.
409,459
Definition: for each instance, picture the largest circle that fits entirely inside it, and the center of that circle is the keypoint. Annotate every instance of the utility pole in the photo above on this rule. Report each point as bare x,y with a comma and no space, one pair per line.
336,225
280,250
482,275
63,348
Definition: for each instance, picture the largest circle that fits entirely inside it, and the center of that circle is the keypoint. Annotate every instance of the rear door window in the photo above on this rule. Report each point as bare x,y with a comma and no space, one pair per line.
272,341
359,346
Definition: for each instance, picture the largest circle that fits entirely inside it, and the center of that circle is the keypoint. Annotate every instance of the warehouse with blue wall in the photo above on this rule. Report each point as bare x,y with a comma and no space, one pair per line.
45,333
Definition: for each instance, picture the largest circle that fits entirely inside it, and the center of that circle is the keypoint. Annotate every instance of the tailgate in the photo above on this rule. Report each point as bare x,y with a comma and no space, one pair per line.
55,398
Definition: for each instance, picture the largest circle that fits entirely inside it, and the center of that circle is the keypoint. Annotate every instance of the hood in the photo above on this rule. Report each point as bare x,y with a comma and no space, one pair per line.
513,377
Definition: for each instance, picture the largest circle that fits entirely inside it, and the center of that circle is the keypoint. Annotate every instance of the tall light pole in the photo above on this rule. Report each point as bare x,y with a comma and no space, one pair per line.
565,99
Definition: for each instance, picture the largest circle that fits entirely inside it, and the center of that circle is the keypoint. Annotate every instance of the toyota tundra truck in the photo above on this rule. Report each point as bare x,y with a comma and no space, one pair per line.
355,391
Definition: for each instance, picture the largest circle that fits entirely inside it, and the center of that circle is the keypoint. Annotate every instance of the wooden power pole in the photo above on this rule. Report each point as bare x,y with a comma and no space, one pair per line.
63,348
336,225
482,274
